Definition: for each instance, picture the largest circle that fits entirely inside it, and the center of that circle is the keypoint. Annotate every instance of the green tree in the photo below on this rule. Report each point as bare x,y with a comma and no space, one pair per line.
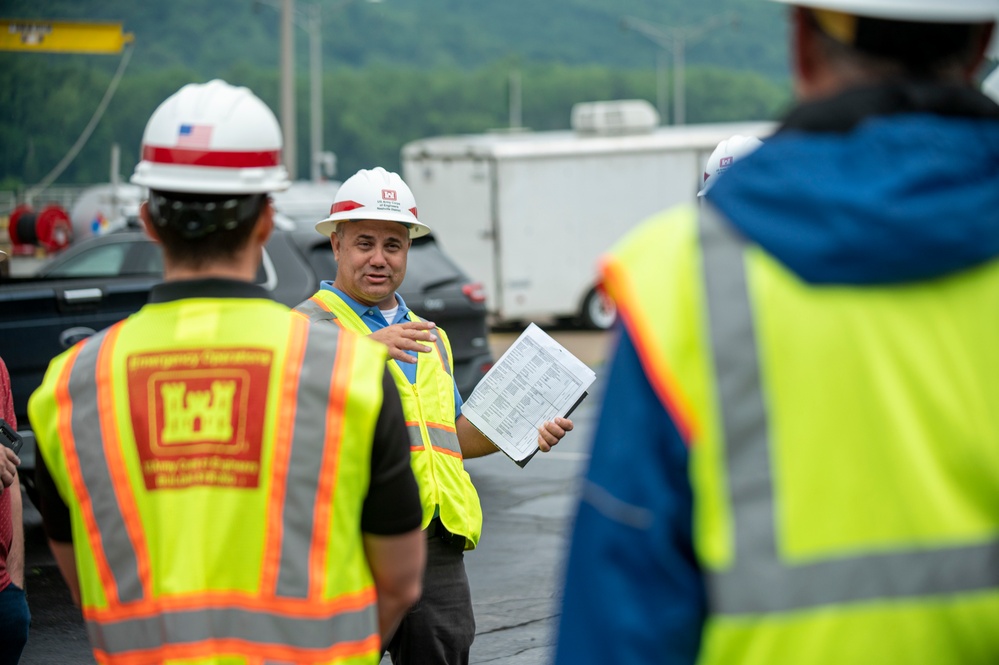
369,113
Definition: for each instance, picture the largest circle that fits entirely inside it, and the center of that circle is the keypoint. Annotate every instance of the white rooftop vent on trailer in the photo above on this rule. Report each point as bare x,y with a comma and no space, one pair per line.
622,116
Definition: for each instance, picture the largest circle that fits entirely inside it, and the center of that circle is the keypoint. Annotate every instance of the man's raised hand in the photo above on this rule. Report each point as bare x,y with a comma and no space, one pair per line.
409,336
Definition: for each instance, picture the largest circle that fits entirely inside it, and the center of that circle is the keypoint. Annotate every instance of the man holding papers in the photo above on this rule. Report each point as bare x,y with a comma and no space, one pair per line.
535,380
371,252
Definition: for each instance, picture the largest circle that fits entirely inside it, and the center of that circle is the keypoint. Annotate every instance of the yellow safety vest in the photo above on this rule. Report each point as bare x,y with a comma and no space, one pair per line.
429,409
215,455
844,447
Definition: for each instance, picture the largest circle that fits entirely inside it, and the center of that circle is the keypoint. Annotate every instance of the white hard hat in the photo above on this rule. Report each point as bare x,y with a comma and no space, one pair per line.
212,138
933,11
374,194
727,153
990,86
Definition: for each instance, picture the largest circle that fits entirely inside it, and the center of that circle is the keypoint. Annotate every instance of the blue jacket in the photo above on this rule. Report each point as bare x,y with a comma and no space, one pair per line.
876,186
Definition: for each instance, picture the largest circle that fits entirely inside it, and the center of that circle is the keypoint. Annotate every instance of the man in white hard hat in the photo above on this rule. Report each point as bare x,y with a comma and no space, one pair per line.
221,482
371,225
808,372
724,156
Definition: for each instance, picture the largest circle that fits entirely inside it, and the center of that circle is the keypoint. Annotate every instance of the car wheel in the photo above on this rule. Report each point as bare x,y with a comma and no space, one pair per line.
598,312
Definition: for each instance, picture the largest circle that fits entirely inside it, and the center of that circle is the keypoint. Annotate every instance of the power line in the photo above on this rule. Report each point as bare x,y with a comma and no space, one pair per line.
87,131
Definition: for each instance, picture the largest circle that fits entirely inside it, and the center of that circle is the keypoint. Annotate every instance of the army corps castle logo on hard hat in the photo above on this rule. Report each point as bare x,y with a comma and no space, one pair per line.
390,201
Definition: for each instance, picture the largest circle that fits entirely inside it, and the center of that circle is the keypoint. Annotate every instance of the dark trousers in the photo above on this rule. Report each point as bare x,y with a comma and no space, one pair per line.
14,621
439,629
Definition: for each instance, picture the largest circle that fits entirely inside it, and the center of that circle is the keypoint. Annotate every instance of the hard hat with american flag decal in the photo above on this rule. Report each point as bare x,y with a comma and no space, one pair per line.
212,138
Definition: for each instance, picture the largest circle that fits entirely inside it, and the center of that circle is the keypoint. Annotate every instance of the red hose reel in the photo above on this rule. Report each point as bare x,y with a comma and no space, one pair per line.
49,228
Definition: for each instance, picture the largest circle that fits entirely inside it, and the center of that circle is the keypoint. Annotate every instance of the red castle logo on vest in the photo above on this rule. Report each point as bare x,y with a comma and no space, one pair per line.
198,415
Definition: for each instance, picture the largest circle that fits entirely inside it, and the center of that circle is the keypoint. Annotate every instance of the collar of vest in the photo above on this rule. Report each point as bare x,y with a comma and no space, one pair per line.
360,308
205,288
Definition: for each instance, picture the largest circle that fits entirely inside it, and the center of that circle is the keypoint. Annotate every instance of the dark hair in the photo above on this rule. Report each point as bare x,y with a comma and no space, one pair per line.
196,229
911,48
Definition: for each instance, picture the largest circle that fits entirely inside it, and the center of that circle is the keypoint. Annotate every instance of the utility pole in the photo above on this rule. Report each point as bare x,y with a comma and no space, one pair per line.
662,92
316,92
674,39
311,21
516,120
288,86
679,78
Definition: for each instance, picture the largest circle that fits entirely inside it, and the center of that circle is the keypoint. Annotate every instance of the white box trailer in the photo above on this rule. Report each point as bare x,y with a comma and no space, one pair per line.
528,214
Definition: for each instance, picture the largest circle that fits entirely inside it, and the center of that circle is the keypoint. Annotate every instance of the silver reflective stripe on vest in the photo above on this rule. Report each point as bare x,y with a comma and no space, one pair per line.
88,440
305,462
441,349
253,627
758,581
438,438
313,311
415,436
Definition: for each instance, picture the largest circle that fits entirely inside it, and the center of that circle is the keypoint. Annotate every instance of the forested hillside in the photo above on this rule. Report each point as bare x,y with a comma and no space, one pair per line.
394,70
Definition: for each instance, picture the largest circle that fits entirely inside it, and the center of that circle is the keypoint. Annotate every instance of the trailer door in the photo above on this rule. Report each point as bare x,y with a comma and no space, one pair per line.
454,198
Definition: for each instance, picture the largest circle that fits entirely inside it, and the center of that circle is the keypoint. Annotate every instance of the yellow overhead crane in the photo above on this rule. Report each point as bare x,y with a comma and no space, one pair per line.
41,36
44,36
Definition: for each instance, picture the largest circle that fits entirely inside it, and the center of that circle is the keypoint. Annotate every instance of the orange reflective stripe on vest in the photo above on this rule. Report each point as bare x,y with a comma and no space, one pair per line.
244,630
443,439
122,561
315,309
288,620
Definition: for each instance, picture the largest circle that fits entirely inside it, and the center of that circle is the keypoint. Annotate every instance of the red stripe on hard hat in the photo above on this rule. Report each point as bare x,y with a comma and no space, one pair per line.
413,210
345,206
220,158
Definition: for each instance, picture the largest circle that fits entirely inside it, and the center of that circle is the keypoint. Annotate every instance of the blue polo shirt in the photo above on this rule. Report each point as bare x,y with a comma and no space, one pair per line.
375,320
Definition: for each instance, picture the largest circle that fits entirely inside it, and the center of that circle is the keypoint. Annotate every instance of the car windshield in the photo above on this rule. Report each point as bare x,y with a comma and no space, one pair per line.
127,256
123,256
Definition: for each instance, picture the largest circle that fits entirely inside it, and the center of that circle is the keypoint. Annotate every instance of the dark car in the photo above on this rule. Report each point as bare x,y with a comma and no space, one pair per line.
99,281
435,288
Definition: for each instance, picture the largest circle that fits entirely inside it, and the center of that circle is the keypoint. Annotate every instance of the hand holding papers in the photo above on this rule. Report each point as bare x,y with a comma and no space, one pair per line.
536,380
